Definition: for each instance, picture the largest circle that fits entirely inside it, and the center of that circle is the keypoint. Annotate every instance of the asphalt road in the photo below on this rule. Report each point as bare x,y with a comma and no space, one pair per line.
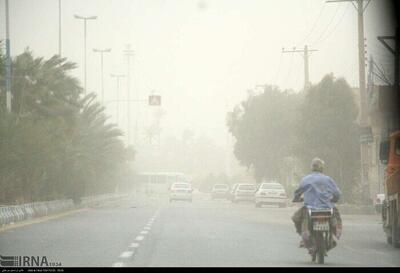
153,232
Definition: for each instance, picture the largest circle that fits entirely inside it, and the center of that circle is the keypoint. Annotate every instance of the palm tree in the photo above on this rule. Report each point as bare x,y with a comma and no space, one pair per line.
56,142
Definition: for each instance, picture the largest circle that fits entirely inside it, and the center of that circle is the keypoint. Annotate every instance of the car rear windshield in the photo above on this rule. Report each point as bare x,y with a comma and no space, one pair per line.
181,186
271,186
247,187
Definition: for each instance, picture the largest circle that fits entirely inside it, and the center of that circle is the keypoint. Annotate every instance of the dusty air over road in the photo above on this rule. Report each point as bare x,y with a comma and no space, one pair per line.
199,133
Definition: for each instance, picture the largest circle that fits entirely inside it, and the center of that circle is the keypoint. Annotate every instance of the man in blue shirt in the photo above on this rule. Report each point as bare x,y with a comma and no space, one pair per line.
319,192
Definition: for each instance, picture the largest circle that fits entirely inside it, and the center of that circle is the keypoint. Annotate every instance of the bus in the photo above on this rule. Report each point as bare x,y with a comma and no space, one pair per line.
159,182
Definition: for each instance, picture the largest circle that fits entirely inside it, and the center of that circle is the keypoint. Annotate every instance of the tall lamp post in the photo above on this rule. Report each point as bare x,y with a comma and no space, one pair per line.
8,60
102,51
85,18
117,77
129,53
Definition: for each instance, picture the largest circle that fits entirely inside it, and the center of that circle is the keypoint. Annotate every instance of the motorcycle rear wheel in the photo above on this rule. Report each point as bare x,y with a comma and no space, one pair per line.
320,248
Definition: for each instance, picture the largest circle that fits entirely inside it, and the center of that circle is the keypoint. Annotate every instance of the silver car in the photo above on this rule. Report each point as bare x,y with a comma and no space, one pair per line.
271,193
180,191
244,192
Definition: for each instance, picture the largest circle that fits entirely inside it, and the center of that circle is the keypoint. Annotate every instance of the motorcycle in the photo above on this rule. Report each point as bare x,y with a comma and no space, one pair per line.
317,232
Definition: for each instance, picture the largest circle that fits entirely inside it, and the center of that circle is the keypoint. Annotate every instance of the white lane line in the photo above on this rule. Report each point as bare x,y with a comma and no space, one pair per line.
126,254
139,238
147,228
134,245
118,265
144,232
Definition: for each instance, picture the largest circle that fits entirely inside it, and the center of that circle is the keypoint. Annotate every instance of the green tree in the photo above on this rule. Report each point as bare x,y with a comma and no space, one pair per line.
263,127
56,143
327,129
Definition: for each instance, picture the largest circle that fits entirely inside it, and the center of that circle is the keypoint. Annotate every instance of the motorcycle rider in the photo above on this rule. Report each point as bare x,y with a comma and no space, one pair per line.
319,192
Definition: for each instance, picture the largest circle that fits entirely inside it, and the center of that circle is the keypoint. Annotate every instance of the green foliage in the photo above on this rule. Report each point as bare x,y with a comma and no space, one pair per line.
263,128
327,128
275,129
56,143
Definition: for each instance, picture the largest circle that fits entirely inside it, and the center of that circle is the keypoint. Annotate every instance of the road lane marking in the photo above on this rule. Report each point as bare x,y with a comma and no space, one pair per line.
139,238
147,228
126,254
144,232
118,265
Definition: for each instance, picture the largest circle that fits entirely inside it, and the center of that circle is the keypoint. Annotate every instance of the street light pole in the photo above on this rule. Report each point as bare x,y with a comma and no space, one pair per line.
102,51
129,53
84,31
117,77
8,60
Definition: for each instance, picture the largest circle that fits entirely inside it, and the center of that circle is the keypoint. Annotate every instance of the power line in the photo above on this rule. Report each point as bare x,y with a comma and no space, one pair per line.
306,54
313,26
382,73
335,27
382,78
327,26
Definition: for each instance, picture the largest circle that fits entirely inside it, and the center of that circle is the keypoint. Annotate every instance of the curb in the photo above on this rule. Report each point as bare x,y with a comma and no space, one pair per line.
12,214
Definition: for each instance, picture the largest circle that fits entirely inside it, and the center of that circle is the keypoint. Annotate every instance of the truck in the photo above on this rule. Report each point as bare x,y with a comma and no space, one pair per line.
390,156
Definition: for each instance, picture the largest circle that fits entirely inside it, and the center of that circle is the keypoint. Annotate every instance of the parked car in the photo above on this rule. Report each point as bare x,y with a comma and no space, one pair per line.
220,191
181,191
244,192
271,193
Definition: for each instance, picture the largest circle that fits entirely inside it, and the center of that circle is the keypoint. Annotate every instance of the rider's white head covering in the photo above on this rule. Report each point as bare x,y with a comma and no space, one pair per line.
317,165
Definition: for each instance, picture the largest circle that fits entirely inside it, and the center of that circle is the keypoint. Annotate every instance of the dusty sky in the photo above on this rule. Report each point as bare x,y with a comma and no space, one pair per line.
201,56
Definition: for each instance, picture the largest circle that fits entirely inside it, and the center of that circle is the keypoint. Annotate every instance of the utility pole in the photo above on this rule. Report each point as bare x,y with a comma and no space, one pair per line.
8,60
306,54
84,42
102,51
128,53
117,77
360,7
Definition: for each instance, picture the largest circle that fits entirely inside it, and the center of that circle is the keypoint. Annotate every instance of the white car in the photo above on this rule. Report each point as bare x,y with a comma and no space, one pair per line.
244,192
180,191
271,193
220,191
